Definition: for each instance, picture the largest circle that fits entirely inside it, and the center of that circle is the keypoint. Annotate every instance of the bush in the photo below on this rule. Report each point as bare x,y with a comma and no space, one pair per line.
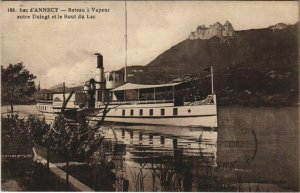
18,134
38,129
15,135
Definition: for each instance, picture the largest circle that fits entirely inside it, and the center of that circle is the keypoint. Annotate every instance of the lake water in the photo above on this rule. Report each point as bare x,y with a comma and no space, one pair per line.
253,149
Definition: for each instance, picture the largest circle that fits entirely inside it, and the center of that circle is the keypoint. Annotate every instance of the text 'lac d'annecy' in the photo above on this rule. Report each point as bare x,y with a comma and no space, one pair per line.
56,13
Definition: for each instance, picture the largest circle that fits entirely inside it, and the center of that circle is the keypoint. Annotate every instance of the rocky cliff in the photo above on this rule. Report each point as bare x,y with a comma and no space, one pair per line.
215,30
279,26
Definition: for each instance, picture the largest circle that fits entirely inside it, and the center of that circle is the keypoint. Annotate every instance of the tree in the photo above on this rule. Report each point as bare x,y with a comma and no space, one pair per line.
17,83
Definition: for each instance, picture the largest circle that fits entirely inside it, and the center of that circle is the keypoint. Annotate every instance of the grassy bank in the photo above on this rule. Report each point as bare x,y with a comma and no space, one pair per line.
22,174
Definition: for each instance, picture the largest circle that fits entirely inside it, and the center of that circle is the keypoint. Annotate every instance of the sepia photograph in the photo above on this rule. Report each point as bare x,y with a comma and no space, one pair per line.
149,96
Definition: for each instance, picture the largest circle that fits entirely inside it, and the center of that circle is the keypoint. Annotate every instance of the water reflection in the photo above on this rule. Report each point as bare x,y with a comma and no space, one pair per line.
252,150
168,160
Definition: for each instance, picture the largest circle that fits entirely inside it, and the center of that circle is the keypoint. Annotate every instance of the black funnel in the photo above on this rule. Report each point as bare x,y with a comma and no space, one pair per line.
99,60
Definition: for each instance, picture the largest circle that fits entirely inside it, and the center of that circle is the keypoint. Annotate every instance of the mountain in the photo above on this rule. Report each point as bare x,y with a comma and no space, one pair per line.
252,67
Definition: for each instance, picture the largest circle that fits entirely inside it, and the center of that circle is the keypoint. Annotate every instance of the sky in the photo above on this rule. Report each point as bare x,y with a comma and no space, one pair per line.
63,50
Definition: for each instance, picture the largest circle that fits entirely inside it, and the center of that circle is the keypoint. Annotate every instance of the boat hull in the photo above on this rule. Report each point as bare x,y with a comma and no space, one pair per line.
202,121
204,115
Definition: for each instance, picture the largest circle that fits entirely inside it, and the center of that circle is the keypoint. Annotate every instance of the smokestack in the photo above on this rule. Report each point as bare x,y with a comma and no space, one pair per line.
100,82
99,60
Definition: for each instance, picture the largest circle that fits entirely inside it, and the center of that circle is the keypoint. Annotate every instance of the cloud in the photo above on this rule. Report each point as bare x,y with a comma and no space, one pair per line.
80,71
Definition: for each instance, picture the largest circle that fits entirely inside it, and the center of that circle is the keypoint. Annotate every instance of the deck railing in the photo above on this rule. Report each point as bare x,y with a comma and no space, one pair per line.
141,102
196,101
209,100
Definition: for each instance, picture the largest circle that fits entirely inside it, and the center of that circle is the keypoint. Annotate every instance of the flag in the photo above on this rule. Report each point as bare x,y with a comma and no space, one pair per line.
206,69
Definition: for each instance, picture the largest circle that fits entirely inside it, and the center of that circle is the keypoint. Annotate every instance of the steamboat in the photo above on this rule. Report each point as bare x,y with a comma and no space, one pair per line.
110,94
163,104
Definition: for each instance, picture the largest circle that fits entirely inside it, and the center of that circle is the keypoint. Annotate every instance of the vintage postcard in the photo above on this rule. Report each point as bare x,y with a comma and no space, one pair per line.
150,96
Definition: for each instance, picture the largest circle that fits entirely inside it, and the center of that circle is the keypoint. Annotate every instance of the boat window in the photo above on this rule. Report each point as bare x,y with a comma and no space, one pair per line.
141,112
110,77
162,111
175,111
131,112
151,112
123,112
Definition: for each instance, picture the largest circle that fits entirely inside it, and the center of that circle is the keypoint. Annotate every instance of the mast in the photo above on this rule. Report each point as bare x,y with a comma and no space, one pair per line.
125,69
